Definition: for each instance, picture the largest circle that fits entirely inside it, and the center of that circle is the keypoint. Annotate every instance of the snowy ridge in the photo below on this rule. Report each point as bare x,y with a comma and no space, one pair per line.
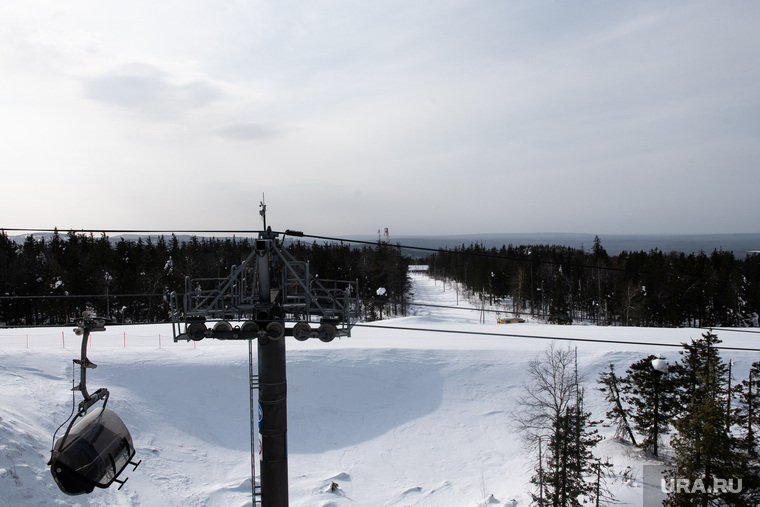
388,417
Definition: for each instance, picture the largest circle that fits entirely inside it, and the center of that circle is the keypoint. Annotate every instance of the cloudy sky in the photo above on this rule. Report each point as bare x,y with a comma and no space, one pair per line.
426,117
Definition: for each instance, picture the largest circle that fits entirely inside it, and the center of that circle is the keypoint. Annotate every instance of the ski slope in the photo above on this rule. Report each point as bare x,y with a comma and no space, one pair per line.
392,416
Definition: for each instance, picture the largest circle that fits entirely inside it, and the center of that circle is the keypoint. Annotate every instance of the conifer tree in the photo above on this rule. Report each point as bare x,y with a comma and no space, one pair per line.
554,414
559,308
747,421
703,446
611,386
568,476
649,393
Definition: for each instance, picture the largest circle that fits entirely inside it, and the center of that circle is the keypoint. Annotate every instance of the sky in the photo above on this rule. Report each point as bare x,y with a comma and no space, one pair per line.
425,117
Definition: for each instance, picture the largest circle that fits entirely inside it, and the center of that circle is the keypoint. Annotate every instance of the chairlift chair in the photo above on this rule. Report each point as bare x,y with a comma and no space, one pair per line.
93,452
97,446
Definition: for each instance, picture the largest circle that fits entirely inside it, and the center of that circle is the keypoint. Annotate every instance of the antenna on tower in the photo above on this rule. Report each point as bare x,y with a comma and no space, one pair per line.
263,210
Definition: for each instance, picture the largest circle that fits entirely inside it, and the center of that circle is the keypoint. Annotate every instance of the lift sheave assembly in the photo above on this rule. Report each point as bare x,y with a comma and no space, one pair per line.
97,446
270,295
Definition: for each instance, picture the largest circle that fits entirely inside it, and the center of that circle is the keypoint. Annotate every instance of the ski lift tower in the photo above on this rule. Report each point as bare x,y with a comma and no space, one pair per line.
269,296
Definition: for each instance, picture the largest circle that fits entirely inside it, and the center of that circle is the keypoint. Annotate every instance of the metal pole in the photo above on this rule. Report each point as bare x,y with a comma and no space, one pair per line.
656,415
273,391
253,385
273,424
728,398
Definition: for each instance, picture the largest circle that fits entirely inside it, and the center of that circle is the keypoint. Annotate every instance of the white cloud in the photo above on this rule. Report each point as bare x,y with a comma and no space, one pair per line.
248,131
147,90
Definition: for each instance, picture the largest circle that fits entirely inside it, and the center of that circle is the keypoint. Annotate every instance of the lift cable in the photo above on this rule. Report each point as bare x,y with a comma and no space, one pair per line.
491,255
485,254
128,231
484,333
554,338
428,305
729,330
518,313
80,296
421,305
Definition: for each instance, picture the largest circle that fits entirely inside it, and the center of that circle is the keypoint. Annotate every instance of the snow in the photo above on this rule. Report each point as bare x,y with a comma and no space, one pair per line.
387,417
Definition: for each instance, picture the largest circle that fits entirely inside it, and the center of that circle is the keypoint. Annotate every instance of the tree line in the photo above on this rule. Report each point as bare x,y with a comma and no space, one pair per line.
565,285
51,280
707,420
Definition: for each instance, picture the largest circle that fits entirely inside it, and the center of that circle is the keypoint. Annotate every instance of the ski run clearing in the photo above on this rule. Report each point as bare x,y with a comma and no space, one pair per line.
392,416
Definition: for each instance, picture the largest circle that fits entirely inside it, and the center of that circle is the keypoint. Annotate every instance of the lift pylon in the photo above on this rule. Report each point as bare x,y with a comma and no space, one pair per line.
269,296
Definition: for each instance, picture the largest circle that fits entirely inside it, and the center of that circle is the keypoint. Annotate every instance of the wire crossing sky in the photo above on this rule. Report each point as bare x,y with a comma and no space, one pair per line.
424,117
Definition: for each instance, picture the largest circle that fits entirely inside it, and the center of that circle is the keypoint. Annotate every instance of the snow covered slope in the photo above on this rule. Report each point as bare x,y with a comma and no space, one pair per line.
393,417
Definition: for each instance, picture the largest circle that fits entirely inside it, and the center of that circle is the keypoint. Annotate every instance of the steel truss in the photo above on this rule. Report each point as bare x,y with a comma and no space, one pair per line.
298,303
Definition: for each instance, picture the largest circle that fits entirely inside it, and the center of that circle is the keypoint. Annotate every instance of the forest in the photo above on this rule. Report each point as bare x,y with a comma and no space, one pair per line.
565,285
51,280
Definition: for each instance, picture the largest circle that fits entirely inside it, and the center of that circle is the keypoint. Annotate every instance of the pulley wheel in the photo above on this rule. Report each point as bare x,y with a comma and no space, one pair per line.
196,331
301,331
222,325
327,332
275,330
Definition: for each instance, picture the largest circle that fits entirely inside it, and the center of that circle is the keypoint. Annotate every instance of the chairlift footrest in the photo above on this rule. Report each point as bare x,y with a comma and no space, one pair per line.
86,363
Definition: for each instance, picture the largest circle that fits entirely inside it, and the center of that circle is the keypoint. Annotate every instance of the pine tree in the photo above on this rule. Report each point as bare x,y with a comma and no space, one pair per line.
704,448
611,386
747,420
649,393
748,412
559,308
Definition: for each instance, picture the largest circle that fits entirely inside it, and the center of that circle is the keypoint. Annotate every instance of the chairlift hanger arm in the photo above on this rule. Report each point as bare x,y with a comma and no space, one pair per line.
88,324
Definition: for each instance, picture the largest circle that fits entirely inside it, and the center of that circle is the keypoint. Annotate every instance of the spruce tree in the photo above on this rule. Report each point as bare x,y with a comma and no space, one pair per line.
554,418
559,308
649,393
748,412
570,477
704,449
747,427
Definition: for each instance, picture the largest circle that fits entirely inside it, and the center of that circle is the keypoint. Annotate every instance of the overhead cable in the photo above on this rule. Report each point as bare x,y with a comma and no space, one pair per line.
555,338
